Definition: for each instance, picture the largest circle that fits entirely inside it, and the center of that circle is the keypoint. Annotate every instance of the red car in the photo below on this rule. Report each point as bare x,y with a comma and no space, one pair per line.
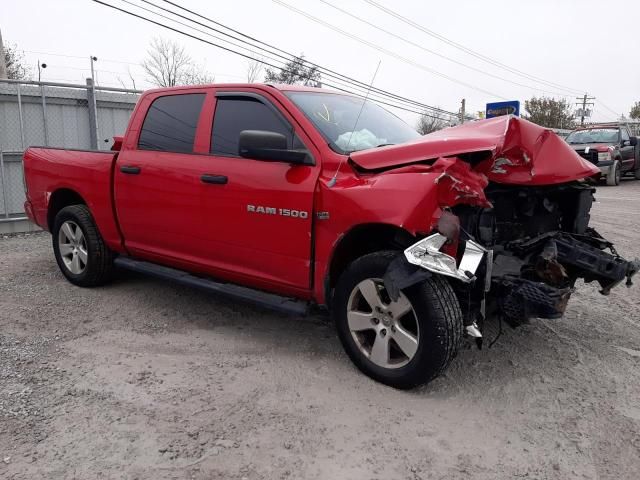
287,197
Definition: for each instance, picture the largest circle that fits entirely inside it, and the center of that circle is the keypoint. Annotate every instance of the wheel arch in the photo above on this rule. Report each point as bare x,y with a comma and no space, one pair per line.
61,198
361,240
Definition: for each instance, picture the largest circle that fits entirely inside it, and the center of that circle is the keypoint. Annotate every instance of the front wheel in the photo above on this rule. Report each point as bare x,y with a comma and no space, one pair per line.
402,343
614,175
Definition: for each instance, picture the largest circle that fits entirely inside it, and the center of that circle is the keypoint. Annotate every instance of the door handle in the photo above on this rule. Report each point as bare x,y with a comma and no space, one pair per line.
215,179
130,170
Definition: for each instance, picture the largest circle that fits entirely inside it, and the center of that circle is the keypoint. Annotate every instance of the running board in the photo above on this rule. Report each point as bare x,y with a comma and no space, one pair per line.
271,301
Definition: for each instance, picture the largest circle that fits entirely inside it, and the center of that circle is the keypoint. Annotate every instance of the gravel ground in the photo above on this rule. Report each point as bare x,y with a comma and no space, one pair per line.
145,379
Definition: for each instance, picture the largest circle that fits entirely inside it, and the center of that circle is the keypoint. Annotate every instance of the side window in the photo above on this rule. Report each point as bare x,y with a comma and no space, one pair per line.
171,122
625,135
234,114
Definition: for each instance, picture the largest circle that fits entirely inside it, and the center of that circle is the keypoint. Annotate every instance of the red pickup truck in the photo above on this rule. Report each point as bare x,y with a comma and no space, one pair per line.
290,197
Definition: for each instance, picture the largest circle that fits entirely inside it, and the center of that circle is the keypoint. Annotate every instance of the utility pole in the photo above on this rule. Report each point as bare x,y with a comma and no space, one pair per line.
462,110
584,106
40,67
93,108
3,65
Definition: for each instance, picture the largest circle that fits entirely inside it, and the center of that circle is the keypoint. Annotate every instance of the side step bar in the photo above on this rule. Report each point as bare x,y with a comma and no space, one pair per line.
267,300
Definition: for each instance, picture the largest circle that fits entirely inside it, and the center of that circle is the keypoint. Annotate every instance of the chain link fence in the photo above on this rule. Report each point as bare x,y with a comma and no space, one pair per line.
53,115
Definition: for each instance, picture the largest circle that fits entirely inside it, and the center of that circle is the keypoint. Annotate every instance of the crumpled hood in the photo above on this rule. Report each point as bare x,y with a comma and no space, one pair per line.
518,152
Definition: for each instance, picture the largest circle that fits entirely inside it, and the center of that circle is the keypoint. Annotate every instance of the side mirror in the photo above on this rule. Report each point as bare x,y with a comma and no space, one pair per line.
271,147
633,141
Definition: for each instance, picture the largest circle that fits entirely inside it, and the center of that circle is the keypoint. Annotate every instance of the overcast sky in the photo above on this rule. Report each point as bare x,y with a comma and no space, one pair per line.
580,45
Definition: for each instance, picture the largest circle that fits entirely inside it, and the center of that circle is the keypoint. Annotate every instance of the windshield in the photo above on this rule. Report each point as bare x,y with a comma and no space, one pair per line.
335,116
595,135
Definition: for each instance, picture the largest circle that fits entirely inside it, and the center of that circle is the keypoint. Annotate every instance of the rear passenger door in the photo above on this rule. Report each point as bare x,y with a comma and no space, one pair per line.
157,178
260,220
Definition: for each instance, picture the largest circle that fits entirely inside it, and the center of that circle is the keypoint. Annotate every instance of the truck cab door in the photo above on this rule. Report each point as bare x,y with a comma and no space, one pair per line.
259,218
627,151
157,178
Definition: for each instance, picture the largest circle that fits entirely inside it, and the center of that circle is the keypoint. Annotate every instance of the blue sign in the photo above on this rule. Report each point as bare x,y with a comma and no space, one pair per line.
498,109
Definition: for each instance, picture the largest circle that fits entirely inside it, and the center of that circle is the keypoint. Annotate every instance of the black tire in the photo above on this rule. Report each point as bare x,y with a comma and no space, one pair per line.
437,313
613,177
99,266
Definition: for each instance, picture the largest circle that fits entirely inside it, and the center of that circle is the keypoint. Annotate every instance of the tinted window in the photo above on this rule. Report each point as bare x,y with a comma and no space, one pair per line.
170,124
236,114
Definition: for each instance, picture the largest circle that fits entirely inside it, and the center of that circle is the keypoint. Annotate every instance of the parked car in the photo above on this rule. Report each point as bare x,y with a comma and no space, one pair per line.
610,147
288,197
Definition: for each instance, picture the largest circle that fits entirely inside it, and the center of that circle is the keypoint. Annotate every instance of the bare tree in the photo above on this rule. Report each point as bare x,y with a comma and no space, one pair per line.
428,123
168,64
133,80
254,69
197,75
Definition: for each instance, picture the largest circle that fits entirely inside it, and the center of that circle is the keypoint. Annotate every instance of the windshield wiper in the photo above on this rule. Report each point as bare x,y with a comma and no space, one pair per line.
384,145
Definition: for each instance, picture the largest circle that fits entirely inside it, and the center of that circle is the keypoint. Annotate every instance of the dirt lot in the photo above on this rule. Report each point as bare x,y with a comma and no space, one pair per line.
145,379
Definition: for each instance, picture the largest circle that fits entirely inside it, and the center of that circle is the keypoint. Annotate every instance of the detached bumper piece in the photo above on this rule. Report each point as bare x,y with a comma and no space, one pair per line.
550,265
591,263
522,299
580,256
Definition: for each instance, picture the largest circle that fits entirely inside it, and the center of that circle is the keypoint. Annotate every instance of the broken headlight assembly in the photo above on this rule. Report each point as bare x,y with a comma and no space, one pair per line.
426,254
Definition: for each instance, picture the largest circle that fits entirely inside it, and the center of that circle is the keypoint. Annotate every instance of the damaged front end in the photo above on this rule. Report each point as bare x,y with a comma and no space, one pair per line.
541,245
513,228
521,257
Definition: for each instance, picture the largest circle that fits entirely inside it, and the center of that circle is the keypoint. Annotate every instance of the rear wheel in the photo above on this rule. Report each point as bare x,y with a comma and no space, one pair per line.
402,343
79,249
615,173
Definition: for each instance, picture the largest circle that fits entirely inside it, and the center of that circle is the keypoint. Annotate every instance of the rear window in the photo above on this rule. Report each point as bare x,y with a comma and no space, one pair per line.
171,122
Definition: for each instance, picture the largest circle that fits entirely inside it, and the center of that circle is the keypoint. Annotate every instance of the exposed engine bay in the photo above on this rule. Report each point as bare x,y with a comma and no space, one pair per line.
541,245
537,243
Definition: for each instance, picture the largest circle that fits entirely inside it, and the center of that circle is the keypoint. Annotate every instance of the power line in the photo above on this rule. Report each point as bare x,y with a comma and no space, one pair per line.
608,108
467,50
352,83
289,56
433,52
283,63
84,57
230,50
384,50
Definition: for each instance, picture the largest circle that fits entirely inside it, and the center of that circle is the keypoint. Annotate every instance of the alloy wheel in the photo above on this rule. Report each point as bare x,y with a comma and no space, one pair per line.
73,247
385,331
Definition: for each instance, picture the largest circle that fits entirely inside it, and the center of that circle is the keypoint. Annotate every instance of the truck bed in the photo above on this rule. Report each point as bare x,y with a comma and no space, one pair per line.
88,173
